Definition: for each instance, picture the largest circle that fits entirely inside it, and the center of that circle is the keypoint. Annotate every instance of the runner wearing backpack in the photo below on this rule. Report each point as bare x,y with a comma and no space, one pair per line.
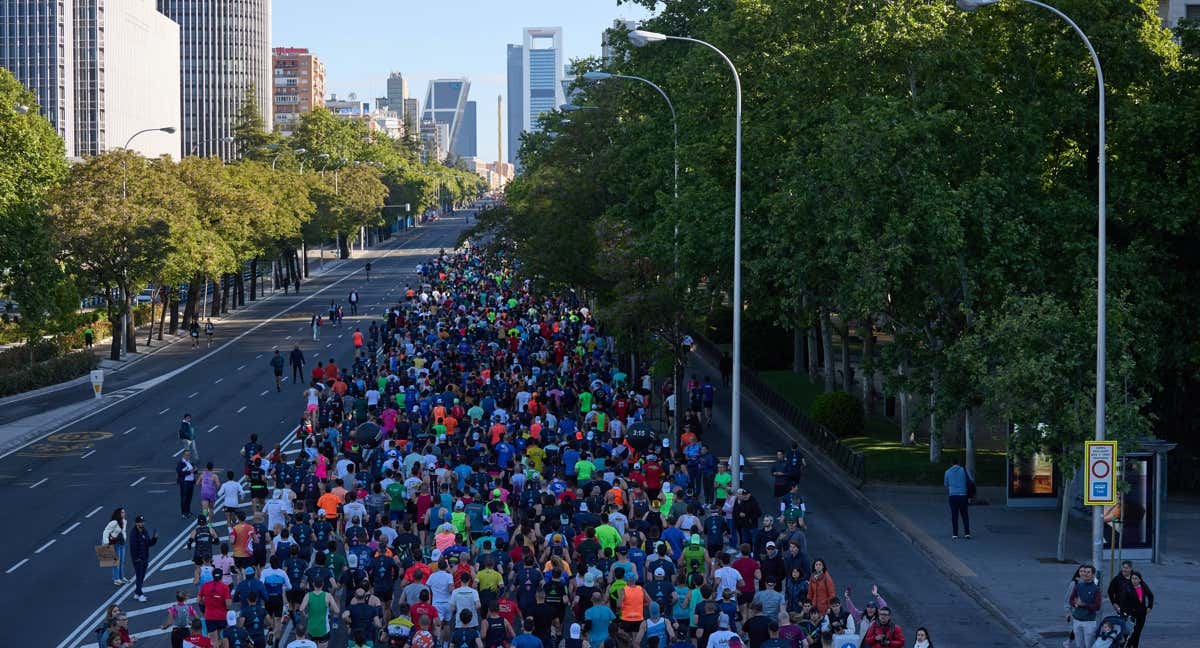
179,619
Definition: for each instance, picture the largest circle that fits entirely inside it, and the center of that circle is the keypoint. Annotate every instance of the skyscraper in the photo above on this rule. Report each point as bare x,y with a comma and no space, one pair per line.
225,53
542,73
102,70
412,114
299,85
446,104
516,99
467,143
397,91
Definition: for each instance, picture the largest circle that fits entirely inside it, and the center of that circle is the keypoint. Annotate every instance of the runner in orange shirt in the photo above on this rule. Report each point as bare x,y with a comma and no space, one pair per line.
240,537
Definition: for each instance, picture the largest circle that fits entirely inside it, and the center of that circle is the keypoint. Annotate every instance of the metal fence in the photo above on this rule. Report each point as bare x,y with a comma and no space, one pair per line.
847,458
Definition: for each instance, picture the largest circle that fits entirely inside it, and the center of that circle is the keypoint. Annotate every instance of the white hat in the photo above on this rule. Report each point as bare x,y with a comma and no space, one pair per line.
231,617
436,554
576,631
723,621
660,572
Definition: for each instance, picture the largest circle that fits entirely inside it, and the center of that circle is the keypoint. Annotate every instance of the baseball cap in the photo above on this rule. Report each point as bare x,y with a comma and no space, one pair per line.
770,545
723,621
249,571
231,617
695,538
352,560
436,554
660,572
589,579
458,504
140,518
576,631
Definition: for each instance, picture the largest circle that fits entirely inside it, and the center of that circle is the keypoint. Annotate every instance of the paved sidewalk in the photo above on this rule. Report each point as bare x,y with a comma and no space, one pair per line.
1010,560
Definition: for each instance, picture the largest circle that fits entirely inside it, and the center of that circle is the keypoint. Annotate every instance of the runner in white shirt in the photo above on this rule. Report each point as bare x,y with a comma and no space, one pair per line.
230,495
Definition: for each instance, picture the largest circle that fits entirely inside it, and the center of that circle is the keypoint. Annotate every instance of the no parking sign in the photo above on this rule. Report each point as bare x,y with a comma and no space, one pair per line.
1101,486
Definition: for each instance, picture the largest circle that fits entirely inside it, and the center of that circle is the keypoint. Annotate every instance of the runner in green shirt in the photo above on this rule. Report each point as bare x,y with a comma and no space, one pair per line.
721,482
584,468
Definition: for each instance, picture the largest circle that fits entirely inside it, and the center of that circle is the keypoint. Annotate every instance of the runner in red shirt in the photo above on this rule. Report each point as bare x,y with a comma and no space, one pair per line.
423,609
215,597
749,569
197,639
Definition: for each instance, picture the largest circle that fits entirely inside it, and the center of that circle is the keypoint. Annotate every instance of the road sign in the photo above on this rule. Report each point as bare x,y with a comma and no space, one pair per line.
97,382
1100,489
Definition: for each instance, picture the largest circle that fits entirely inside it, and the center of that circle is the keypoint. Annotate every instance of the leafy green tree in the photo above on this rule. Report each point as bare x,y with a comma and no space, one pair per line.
250,133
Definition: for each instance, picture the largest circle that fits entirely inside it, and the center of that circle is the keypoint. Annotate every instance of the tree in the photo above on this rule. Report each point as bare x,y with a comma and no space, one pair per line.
250,131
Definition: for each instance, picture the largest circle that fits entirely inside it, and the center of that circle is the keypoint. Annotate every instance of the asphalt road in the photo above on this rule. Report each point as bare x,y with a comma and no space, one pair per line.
858,546
62,492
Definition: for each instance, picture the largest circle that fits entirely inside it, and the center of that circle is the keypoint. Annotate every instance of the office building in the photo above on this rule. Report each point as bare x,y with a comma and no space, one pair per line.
516,100
570,90
299,85
541,74
102,70
617,31
446,104
467,144
412,113
397,92
1172,11
225,53
432,144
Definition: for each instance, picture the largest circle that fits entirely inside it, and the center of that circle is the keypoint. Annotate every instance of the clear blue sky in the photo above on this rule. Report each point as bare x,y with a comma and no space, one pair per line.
362,42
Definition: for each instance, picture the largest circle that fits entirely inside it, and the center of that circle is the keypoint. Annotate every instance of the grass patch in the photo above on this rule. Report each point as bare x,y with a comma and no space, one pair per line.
887,460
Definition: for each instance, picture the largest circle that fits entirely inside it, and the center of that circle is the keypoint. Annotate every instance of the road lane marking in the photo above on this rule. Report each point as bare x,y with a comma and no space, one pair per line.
179,451
218,381
329,345
154,608
194,394
138,481
165,411
129,430
17,566
288,337
43,481
212,428
163,586
94,511
71,528
45,546
90,453
241,409
175,565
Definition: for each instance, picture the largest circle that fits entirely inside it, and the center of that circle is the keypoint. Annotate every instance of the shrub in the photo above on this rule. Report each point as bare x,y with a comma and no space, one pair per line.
50,372
839,412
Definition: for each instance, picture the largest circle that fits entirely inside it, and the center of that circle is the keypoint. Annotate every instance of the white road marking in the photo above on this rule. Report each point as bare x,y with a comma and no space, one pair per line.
174,565
155,608
194,394
218,380
94,511
71,528
45,546
90,453
212,428
129,430
244,366
43,481
339,337
17,566
138,481
163,586
288,337
165,410
241,409
316,354
329,345
179,451
264,392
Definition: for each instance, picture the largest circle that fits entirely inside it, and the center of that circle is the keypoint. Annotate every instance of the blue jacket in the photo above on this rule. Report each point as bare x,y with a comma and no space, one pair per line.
140,542
955,480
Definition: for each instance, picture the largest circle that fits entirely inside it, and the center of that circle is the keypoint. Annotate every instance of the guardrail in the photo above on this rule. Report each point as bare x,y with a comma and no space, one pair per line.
847,458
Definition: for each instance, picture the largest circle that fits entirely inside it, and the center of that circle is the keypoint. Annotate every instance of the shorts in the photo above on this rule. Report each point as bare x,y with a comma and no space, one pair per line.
744,598
242,562
259,642
310,408
295,595
631,626
274,605
443,610
319,640
215,625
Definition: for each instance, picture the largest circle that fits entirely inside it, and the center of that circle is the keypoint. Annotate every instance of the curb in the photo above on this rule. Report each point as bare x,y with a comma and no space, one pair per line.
836,475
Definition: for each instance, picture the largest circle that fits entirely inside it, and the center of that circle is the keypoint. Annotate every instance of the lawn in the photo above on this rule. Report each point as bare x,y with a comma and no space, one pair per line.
887,460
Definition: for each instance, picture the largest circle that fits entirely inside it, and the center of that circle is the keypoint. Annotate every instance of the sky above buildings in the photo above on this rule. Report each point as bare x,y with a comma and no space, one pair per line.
362,42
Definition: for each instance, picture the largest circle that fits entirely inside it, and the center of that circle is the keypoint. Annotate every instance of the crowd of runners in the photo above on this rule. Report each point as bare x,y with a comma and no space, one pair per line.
482,473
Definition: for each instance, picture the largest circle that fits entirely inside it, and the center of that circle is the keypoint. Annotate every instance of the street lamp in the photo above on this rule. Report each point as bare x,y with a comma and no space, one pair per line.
1101,271
21,109
229,139
596,75
298,151
575,108
640,38
127,333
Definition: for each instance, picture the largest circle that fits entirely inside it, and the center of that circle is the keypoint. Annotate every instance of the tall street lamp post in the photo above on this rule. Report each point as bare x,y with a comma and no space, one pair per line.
640,38
594,76
1101,271
127,320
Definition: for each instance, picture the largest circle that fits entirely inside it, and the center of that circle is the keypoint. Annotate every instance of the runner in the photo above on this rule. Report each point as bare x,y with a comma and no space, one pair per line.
353,298
315,325
209,329
277,369
297,361
194,332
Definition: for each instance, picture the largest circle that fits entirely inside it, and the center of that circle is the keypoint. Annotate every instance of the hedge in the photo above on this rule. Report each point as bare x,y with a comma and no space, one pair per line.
839,412
50,372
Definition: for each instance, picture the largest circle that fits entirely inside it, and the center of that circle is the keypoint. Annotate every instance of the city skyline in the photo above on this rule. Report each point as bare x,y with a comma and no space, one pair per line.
362,64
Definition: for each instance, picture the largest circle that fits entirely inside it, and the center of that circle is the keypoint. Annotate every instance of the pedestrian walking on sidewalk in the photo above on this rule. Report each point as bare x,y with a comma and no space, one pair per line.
316,326
115,534
959,485
1136,602
140,541
1083,605
89,336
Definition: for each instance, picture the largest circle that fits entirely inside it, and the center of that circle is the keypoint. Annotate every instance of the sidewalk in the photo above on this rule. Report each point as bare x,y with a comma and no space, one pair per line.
1010,559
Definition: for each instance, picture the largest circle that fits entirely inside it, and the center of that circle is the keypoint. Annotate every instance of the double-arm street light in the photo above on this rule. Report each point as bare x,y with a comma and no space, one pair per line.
640,38
1101,271
298,151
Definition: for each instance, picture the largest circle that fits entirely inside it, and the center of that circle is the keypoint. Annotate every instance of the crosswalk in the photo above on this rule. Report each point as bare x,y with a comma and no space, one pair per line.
170,570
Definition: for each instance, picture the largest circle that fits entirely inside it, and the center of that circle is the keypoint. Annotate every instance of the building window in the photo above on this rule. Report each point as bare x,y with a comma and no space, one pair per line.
1191,12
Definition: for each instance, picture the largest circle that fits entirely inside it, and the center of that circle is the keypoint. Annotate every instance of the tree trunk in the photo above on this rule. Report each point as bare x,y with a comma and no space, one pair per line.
906,437
847,375
240,289
935,431
254,279
295,261
150,333
191,310
969,441
813,354
827,349
867,368
797,351
130,326
343,243
215,303
304,251
225,285
117,323
1068,493
169,295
